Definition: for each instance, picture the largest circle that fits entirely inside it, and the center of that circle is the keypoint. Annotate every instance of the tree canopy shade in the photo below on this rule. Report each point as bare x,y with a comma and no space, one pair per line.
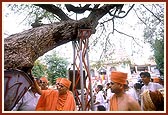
22,49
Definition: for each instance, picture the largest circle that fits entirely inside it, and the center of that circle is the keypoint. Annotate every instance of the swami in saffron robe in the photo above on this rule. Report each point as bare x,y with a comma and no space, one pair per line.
51,101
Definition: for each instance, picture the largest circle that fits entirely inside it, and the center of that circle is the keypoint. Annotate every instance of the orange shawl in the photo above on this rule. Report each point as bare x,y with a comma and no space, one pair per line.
50,101
114,103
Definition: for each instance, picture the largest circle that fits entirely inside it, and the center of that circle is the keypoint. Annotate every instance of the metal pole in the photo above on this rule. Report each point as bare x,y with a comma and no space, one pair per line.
81,77
73,85
91,91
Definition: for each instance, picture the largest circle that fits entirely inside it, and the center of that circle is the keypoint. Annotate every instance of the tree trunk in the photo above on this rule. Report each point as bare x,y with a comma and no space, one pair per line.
22,49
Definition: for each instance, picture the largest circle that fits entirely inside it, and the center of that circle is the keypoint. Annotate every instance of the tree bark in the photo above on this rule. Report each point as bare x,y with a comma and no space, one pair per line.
22,49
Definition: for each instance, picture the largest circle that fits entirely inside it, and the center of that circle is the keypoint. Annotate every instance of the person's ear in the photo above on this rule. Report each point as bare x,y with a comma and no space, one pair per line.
121,86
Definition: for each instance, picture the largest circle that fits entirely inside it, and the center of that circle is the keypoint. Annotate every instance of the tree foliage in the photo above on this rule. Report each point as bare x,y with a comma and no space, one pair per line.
56,67
39,69
154,31
51,66
33,13
159,54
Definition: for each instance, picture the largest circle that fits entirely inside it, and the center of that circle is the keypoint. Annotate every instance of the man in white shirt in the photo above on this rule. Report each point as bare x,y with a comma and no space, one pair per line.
108,96
99,97
28,102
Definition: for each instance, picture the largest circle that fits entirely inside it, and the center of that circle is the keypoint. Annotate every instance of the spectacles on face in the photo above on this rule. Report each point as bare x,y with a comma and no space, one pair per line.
61,86
57,83
42,82
112,83
39,81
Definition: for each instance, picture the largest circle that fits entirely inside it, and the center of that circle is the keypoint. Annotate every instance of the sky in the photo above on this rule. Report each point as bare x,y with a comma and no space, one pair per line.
11,25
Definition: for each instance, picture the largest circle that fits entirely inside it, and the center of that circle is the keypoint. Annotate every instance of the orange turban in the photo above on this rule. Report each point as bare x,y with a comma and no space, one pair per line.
44,79
119,77
65,82
156,80
58,79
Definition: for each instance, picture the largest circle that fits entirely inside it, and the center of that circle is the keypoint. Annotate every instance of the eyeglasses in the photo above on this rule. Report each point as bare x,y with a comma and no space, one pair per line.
61,86
42,82
112,83
57,83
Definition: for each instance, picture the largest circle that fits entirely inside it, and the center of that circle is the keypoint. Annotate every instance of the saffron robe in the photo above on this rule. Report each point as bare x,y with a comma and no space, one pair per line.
51,101
114,103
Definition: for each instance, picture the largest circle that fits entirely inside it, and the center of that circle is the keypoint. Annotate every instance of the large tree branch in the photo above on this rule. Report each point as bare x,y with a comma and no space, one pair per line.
55,10
97,14
22,49
115,16
128,36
